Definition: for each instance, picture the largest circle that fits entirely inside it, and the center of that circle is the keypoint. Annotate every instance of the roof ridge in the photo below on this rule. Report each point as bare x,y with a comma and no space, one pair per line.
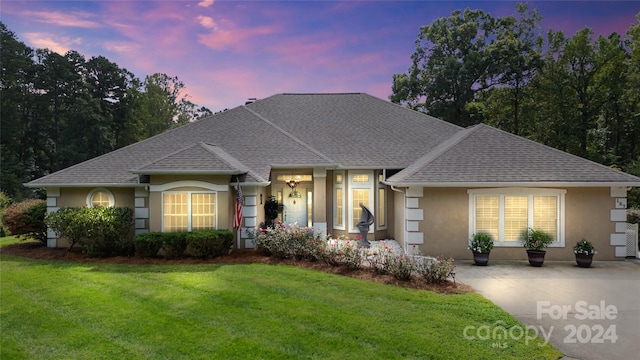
436,152
229,159
289,135
164,157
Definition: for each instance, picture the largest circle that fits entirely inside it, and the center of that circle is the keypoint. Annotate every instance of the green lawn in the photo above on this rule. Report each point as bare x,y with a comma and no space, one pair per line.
64,310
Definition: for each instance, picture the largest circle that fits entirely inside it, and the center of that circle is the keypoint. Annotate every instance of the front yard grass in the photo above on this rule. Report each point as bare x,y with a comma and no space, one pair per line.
64,310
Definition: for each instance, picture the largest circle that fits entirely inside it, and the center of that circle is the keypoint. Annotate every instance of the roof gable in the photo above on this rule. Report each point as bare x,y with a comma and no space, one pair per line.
485,155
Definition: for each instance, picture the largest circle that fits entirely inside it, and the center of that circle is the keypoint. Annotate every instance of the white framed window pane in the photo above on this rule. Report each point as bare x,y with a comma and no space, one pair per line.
338,178
339,208
516,217
203,211
176,212
360,196
488,215
382,206
545,214
100,199
360,178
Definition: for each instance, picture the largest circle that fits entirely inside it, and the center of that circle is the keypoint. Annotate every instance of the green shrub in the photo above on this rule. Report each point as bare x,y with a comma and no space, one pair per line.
400,266
284,242
148,244
26,219
209,243
342,251
174,244
101,231
434,270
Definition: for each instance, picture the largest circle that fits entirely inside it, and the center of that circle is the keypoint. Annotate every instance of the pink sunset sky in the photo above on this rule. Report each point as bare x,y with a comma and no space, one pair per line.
228,51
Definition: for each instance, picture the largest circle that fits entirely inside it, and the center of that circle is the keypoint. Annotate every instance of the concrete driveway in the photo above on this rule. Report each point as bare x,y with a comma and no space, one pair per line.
587,314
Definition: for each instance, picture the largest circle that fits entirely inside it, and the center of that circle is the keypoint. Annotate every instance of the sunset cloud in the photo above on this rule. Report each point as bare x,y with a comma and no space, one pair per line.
238,40
46,41
205,3
73,19
207,22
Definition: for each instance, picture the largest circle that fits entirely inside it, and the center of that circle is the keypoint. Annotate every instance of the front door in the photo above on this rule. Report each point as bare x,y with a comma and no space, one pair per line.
295,208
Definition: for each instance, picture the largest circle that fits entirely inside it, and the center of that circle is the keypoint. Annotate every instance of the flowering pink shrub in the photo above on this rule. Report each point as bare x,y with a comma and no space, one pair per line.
283,242
434,270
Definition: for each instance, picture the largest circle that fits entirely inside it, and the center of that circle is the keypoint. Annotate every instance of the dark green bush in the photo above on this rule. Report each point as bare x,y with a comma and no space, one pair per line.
174,244
101,231
202,243
148,244
26,219
209,243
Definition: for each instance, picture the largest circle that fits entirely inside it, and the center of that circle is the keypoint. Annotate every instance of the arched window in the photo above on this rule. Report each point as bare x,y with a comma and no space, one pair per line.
100,197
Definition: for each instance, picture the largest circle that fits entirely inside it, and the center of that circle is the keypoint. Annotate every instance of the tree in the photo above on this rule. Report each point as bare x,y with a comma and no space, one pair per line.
161,105
517,50
16,113
452,62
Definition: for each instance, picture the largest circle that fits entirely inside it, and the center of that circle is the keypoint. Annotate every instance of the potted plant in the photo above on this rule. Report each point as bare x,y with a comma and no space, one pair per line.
481,245
535,241
584,252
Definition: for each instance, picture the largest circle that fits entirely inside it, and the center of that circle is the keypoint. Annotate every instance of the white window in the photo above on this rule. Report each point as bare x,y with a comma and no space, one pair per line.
382,203
361,192
338,201
100,197
188,211
505,213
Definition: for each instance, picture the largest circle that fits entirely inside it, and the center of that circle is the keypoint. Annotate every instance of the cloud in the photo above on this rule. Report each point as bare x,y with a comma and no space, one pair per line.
205,3
46,41
207,22
73,19
238,39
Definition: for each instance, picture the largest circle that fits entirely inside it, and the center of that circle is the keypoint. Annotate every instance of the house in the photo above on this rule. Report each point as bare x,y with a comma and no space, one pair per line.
429,183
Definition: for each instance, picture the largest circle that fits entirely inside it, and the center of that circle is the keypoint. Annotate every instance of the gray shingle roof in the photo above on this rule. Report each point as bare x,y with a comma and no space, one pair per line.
484,155
341,131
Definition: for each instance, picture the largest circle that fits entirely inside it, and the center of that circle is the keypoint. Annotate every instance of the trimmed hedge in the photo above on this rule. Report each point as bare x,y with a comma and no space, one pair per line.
101,231
201,243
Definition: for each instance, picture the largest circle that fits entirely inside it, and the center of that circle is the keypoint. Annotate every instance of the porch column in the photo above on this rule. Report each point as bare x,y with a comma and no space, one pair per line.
320,200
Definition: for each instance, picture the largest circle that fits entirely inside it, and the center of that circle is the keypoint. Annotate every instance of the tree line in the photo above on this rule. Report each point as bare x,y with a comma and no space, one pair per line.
577,93
59,110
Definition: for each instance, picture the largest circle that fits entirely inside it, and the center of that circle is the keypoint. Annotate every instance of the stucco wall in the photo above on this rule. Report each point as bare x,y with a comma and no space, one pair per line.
446,224
77,197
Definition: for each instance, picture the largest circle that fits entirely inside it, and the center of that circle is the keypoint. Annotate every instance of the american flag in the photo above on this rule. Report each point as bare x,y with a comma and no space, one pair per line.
237,219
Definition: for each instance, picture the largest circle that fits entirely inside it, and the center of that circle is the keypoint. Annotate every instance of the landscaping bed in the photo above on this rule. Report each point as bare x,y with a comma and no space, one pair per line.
36,250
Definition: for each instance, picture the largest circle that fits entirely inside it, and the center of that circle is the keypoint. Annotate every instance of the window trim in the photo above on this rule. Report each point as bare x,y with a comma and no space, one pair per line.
383,209
338,185
370,185
112,199
530,193
189,206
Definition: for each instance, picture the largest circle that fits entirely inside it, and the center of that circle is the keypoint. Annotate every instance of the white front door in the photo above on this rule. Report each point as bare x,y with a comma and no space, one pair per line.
295,208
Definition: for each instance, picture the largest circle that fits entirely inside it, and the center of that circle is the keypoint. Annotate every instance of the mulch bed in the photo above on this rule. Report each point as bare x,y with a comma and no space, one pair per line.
36,250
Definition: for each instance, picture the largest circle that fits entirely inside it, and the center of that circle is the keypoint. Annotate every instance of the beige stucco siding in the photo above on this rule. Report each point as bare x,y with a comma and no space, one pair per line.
446,224
77,197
